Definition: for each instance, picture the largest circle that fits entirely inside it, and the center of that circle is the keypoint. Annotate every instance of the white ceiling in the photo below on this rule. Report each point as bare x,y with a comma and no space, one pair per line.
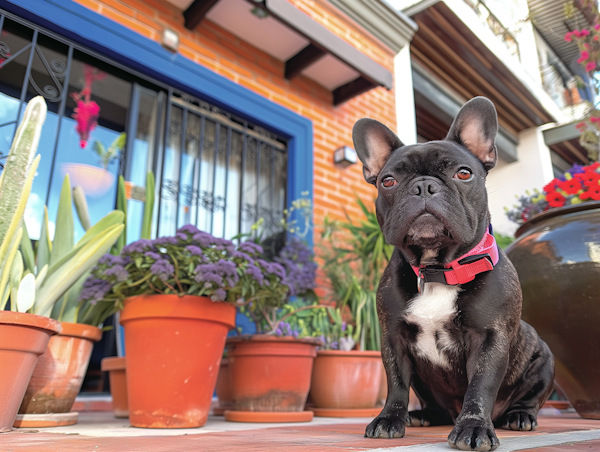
330,72
267,34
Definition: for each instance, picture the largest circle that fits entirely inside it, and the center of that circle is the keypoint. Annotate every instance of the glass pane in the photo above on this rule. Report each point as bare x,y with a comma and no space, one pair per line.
14,54
232,203
218,198
280,184
250,189
265,210
207,169
170,182
87,150
188,191
141,159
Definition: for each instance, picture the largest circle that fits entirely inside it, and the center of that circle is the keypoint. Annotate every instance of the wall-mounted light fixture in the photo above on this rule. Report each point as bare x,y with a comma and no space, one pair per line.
170,40
345,156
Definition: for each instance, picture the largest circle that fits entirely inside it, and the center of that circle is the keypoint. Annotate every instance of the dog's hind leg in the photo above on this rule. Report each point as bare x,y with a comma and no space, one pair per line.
535,387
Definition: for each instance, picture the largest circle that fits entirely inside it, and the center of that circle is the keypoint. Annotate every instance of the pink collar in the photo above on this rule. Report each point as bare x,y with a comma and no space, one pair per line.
480,259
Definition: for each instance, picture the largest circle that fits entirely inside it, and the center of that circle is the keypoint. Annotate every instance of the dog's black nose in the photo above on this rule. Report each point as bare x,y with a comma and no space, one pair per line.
425,187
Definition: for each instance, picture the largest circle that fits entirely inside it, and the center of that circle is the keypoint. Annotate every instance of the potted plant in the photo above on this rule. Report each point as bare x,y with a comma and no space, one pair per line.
173,292
23,337
556,254
269,371
59,268
347,375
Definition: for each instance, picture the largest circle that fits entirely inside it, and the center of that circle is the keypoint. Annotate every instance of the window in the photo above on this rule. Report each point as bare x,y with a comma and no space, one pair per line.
213,169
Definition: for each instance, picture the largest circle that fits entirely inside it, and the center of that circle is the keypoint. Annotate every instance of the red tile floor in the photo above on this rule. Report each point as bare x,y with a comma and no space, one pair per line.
558,431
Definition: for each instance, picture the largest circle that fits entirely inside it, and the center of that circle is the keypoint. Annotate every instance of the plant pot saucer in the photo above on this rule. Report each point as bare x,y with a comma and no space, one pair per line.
46,420
219,410
558,404
346,412
268,416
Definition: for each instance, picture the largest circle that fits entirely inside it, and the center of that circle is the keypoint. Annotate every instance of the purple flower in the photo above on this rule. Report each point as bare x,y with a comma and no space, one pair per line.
182,236
109,259
300,268
219,295
138,247
188,229
255,273
242,255
217,273
195,250
94,290
118,271
152,255
163,269
251,248
165,241
203,239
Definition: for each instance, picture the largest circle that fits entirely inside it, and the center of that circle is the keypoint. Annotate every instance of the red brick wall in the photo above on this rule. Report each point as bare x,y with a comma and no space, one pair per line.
222,52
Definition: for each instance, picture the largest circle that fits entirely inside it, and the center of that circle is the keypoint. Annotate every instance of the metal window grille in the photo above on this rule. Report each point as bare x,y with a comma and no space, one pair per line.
213,169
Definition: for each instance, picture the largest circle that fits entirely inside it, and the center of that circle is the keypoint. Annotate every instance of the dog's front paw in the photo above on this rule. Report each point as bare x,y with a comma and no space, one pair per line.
386,427
520,420
473,434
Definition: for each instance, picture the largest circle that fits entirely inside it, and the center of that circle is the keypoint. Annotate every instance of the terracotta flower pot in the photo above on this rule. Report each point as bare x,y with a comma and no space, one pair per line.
383,388
271,374
556,255
115,366
223,389
346,380
59,372
174,347
23,338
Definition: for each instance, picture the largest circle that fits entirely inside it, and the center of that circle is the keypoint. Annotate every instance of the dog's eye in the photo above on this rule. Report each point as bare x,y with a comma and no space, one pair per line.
463,174
389,182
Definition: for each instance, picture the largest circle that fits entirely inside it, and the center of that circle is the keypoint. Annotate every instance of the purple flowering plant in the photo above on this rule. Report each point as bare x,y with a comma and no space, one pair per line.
191,262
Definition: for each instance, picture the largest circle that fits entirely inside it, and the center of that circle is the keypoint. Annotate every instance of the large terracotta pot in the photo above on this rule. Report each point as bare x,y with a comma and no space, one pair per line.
23,338
174,347
270,373
346,379
116,368
59,372
557,257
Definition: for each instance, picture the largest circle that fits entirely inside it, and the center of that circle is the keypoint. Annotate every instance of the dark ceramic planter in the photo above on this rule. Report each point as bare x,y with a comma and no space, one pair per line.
557,256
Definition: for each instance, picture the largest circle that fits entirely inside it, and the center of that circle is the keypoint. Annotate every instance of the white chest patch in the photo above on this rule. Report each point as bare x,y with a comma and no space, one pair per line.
431,310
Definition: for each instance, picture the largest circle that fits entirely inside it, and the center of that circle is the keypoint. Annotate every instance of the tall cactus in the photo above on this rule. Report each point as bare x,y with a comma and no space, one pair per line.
16,182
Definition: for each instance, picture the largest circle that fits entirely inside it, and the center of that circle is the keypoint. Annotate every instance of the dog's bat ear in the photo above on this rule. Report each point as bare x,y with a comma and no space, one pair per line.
374,143
475,127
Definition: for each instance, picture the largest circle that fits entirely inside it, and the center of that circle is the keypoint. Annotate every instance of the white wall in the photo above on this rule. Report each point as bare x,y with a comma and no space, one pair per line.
405,98
532,170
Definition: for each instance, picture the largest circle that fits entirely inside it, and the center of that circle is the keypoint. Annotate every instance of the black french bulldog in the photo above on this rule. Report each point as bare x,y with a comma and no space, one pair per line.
463,348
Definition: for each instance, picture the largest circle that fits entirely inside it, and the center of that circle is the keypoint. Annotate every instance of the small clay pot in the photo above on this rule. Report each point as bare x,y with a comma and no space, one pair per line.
23,338
383,388
223,389
115,366
346,379
59,372
270,373
174,348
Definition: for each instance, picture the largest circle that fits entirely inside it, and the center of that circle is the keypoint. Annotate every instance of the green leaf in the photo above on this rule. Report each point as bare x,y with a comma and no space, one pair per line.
67,307
81,207
26,293
5,278
16,273
27,250
55,285
39,279
110,220
44,245
122,206
148,206
64,229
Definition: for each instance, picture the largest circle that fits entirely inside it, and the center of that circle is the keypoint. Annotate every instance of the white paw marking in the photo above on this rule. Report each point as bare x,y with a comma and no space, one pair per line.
431,310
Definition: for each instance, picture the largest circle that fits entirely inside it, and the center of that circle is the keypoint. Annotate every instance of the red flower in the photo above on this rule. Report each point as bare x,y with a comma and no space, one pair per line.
589,178
595,119
551,186
597,27
568,37
570,187
592,167
584,56
590,66
555,199
592,193
86,115
581,125
585,32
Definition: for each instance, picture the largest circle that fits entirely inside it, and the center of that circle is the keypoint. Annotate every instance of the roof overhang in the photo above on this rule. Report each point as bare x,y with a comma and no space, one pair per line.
283,31
452,44
436,109
564,140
